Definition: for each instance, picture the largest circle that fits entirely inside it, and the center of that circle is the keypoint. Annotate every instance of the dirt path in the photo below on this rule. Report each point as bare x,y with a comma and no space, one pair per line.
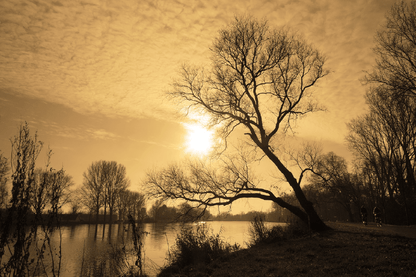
405,231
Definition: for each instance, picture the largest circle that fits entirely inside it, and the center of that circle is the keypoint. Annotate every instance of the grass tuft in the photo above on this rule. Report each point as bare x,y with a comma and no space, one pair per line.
260,234
196,247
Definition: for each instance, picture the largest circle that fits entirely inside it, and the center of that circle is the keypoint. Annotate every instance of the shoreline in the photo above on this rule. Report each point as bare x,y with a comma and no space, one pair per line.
349,249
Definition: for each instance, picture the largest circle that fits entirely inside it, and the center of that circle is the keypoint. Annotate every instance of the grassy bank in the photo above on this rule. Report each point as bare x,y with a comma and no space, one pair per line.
345,251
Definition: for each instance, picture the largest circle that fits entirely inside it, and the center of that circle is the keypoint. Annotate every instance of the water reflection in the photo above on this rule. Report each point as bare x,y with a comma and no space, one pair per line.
90,246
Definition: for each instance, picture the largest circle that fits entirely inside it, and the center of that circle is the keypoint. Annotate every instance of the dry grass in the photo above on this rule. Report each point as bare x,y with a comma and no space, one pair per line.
345,251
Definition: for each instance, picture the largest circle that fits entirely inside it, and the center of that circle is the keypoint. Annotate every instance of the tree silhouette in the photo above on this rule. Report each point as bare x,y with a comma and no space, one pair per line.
103,183
262,81
333,179
384,142
19,228
396,51
92,189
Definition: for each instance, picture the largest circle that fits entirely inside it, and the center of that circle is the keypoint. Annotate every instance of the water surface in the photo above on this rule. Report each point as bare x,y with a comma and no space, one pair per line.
88,244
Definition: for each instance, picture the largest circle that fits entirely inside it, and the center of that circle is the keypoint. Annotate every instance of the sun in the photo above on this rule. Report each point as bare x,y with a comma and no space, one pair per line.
199,140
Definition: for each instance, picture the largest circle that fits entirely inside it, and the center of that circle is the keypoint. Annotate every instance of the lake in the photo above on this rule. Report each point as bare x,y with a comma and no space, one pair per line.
88,244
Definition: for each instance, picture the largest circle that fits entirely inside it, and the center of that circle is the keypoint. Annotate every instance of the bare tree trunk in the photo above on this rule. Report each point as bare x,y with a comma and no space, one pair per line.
105,212
111,215
311,218
97,213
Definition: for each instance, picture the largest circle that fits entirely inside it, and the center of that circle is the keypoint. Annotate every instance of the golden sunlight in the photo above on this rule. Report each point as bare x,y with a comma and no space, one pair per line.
199,140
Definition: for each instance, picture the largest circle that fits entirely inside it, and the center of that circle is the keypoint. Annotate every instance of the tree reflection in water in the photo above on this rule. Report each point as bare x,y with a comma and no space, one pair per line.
122,256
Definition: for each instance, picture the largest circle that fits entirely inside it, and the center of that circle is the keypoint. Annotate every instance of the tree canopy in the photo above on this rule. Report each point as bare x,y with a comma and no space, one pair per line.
396,51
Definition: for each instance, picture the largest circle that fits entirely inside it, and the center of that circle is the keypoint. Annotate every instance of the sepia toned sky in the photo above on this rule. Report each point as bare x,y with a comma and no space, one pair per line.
90,75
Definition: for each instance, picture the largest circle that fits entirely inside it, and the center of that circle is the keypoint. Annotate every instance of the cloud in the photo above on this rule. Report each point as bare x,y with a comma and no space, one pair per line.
117,58
81,132
343,32
158,143
100,134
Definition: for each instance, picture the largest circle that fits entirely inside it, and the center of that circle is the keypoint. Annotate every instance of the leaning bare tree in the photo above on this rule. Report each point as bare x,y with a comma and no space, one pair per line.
261,81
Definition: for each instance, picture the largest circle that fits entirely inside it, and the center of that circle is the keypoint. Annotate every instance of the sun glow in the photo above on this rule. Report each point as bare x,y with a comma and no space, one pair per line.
199,140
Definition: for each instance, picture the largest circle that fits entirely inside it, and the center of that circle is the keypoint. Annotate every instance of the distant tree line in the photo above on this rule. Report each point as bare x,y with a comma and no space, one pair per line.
37,193
338,194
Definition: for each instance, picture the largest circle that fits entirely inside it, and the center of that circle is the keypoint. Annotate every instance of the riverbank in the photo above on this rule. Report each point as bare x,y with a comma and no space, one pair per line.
348,250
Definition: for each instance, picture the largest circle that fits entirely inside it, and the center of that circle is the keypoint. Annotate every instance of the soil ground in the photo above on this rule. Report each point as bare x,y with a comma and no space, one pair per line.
348,250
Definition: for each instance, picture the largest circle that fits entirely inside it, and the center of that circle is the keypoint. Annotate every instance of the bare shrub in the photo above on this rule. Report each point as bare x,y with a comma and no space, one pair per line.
197,246
260,234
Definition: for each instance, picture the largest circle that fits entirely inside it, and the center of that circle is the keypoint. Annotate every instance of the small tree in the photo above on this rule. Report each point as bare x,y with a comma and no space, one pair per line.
262,81
335,181
103,183
19,231
25,150
92,189
51,189
75,203
59,193
115,182
136,202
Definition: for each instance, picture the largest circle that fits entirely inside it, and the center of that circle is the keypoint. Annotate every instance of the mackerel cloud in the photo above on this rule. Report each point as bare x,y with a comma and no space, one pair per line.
118,58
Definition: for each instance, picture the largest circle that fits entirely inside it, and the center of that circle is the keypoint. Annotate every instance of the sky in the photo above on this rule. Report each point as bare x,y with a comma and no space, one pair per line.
91,76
